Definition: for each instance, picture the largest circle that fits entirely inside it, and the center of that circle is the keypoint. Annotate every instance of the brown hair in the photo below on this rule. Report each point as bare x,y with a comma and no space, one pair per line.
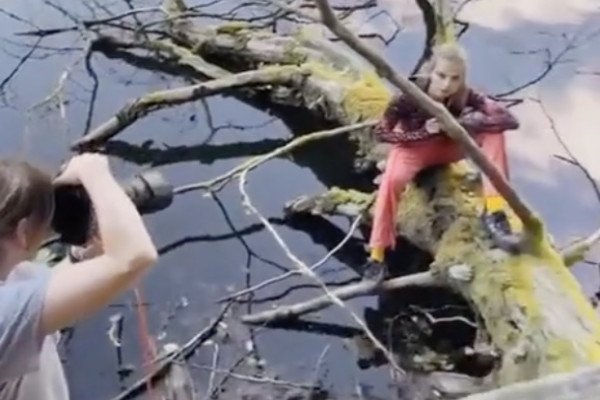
454,53
25,192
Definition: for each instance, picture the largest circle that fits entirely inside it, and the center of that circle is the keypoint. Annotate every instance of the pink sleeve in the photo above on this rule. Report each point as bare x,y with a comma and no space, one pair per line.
483,114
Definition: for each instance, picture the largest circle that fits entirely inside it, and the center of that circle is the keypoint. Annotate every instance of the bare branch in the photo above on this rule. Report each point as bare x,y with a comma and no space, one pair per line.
573,159
550,63
94,94
163,363
89,23
530,221
21,62
575,252
333,298
256,161
364,288
429,16
289,274
142,106
253,379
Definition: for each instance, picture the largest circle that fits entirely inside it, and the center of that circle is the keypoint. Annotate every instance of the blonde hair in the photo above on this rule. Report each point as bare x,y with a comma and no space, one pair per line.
456,54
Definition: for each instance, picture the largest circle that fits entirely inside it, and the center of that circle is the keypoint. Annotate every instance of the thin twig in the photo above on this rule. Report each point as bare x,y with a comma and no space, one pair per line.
576,251
309,273
258,160
21,62
88,23
253,379
215,364
343,293
550,63
289,274
573,159
163,363
530,221
90,70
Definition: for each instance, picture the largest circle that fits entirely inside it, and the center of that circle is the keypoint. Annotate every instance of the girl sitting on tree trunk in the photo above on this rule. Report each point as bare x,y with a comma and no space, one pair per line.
418,143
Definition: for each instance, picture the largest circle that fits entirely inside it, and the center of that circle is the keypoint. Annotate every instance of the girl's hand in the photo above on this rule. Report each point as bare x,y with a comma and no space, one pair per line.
432,126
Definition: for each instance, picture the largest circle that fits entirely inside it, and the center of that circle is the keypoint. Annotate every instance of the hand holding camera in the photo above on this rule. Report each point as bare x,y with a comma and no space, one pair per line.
74,216
81,167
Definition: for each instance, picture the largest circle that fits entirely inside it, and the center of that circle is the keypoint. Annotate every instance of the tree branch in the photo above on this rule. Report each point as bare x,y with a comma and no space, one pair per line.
288,274
167,98
348,292
256,161
532,224
21,62
576,251
311,274
163,363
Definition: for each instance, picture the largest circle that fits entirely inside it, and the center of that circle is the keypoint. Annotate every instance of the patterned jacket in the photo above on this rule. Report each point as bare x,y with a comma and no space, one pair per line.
404,121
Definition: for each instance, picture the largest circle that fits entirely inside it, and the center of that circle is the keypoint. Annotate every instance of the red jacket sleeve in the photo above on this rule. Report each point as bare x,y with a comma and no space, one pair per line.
392,128
482,114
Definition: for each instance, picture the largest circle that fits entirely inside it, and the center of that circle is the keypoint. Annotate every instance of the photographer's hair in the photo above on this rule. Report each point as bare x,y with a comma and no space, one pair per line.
25,192
456,54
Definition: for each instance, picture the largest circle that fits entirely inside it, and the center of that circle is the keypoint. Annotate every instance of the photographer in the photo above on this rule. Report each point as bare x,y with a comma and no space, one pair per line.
36,301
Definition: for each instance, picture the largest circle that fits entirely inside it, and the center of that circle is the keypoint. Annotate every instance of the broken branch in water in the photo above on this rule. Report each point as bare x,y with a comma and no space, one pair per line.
333,298
167,98
258,160
347,292
530,221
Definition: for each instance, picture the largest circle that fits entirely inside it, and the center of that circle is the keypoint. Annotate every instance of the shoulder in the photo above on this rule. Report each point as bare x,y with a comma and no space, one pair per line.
28,270
476,97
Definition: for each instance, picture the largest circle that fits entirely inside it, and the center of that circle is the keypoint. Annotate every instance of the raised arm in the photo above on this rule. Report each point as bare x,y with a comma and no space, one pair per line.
77,290
483,114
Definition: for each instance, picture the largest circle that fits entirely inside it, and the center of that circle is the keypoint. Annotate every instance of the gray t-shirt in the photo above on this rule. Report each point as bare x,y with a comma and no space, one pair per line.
30,368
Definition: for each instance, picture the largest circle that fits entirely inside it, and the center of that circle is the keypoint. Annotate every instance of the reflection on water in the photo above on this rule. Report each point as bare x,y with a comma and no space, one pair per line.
210,247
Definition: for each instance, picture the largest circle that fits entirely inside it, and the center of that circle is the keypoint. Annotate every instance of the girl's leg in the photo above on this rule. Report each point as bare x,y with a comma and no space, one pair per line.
402,165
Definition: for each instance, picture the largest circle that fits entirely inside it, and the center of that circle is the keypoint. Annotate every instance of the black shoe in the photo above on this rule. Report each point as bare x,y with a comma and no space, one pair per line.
374,271
498,227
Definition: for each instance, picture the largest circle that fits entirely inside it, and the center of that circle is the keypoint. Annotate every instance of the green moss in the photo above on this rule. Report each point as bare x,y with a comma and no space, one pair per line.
232,28
346,196
366,95
293,55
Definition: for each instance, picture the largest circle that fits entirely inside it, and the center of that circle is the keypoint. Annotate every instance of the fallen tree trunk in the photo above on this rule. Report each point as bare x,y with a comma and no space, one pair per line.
533,308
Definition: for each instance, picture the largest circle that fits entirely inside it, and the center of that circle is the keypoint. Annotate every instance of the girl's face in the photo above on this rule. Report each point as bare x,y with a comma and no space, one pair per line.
446,79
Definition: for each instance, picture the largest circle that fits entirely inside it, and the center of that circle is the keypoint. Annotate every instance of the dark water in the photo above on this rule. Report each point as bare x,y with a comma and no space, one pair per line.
211,260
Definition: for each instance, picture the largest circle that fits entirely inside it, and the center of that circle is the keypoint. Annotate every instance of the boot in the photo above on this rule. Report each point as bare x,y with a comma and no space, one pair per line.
498,227
374,271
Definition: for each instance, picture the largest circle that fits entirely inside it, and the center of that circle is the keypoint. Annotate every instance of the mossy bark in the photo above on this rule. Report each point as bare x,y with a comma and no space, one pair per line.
532,307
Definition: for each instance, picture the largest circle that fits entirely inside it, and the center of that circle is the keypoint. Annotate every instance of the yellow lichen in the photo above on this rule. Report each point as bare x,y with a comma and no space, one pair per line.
504,288
232,28
366,95
344,196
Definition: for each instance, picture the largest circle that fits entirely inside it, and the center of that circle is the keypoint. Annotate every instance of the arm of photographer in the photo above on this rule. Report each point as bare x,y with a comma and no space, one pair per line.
77,290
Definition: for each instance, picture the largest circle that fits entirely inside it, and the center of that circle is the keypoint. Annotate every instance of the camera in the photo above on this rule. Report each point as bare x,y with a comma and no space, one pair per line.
74,214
